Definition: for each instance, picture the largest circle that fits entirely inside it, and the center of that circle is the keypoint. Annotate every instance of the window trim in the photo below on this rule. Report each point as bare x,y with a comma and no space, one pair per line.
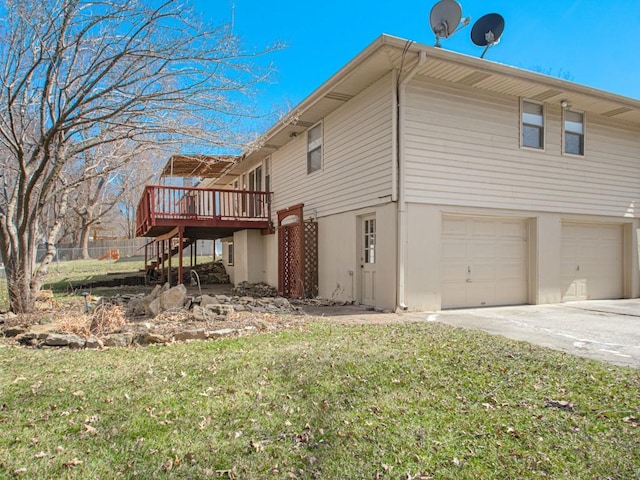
564,132
321,168
521,125
230,254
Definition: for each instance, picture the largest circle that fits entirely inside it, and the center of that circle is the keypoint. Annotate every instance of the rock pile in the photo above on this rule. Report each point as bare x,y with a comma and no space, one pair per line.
170,314
212,273
246,289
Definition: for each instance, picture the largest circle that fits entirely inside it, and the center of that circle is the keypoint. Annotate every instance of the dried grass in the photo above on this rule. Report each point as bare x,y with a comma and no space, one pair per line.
75,323
107,319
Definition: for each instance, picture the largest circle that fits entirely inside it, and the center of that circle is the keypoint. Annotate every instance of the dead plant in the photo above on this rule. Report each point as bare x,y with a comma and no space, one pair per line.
74,323
106,319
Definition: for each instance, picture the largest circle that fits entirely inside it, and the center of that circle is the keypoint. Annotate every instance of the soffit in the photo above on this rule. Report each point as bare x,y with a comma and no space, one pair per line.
202,166
535,87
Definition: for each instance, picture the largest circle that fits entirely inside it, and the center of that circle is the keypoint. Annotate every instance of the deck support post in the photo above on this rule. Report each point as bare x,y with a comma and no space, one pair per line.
180,246
169,251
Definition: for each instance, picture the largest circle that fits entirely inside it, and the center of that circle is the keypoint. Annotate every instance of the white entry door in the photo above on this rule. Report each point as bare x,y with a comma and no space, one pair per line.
591,261
484,261
368,258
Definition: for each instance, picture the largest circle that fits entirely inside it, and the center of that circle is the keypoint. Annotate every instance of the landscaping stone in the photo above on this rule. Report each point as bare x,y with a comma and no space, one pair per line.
93,343
173,298
150,338
14,331
64,340
28,338
255,290
119,339
202,314
198,334
281,302
223,332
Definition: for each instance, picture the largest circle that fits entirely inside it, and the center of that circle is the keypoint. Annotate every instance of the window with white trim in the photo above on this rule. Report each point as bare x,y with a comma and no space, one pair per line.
573,132
314,148
532,127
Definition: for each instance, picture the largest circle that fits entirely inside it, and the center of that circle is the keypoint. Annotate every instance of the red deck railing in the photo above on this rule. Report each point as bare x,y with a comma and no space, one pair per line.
189,206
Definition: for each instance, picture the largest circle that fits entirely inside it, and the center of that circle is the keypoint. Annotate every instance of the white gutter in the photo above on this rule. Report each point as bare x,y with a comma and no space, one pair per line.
401,218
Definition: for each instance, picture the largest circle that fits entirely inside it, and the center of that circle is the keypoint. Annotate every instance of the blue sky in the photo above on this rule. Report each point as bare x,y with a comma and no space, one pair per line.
595,43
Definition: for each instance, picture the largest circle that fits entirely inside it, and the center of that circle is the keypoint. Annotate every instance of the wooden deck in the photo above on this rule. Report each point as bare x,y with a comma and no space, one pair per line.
201,212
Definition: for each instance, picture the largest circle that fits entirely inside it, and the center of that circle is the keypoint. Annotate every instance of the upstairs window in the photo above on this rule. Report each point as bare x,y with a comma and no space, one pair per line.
532,125
314,148
573,132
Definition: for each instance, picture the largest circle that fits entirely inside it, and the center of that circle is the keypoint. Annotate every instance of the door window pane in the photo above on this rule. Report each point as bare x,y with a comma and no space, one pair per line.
370,241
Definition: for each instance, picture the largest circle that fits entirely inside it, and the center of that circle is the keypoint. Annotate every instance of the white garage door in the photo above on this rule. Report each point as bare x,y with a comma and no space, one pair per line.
591,261
484,261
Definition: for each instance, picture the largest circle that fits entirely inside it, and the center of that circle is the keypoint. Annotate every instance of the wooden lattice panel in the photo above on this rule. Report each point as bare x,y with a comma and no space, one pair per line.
310,259
292,262
291,252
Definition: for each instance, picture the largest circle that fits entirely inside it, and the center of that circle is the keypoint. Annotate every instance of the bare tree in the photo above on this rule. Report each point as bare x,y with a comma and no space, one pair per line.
132,182
79,74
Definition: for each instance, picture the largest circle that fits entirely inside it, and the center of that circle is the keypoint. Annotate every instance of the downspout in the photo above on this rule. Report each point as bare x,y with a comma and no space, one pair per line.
401,217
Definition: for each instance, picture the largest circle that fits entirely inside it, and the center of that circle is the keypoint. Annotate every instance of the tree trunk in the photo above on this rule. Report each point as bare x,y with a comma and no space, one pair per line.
84,240
23,280
21,299
19,259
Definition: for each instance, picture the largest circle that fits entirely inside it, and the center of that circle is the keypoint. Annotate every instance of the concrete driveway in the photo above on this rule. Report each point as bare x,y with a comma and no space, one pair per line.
607,330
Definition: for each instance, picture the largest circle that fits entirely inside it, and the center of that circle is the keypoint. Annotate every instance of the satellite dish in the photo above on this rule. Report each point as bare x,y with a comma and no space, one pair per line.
487,30
445,18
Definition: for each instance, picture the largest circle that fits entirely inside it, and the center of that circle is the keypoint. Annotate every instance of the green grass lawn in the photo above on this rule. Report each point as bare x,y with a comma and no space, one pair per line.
410,401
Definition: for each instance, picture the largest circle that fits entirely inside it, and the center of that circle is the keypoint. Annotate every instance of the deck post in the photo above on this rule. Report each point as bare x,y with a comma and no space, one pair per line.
164,278
169,251
180,246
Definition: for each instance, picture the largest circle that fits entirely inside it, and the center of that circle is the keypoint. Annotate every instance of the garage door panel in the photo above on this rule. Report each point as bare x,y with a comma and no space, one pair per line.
513,229
511,251
511,272
482,272
493,270
483,228
483,250
591,261
454,226
456,249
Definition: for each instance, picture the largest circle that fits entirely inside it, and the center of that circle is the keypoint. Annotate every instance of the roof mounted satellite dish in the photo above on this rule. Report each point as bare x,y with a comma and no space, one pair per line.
487,30
445,18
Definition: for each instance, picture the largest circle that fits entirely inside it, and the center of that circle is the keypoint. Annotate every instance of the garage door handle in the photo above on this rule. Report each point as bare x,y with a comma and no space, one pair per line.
468,280
578,268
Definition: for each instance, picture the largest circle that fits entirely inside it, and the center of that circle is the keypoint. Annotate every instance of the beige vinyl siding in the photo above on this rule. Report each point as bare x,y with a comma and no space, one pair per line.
357,156
462,148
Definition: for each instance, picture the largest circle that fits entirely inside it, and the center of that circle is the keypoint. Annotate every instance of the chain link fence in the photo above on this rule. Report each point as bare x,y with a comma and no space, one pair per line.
121,249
